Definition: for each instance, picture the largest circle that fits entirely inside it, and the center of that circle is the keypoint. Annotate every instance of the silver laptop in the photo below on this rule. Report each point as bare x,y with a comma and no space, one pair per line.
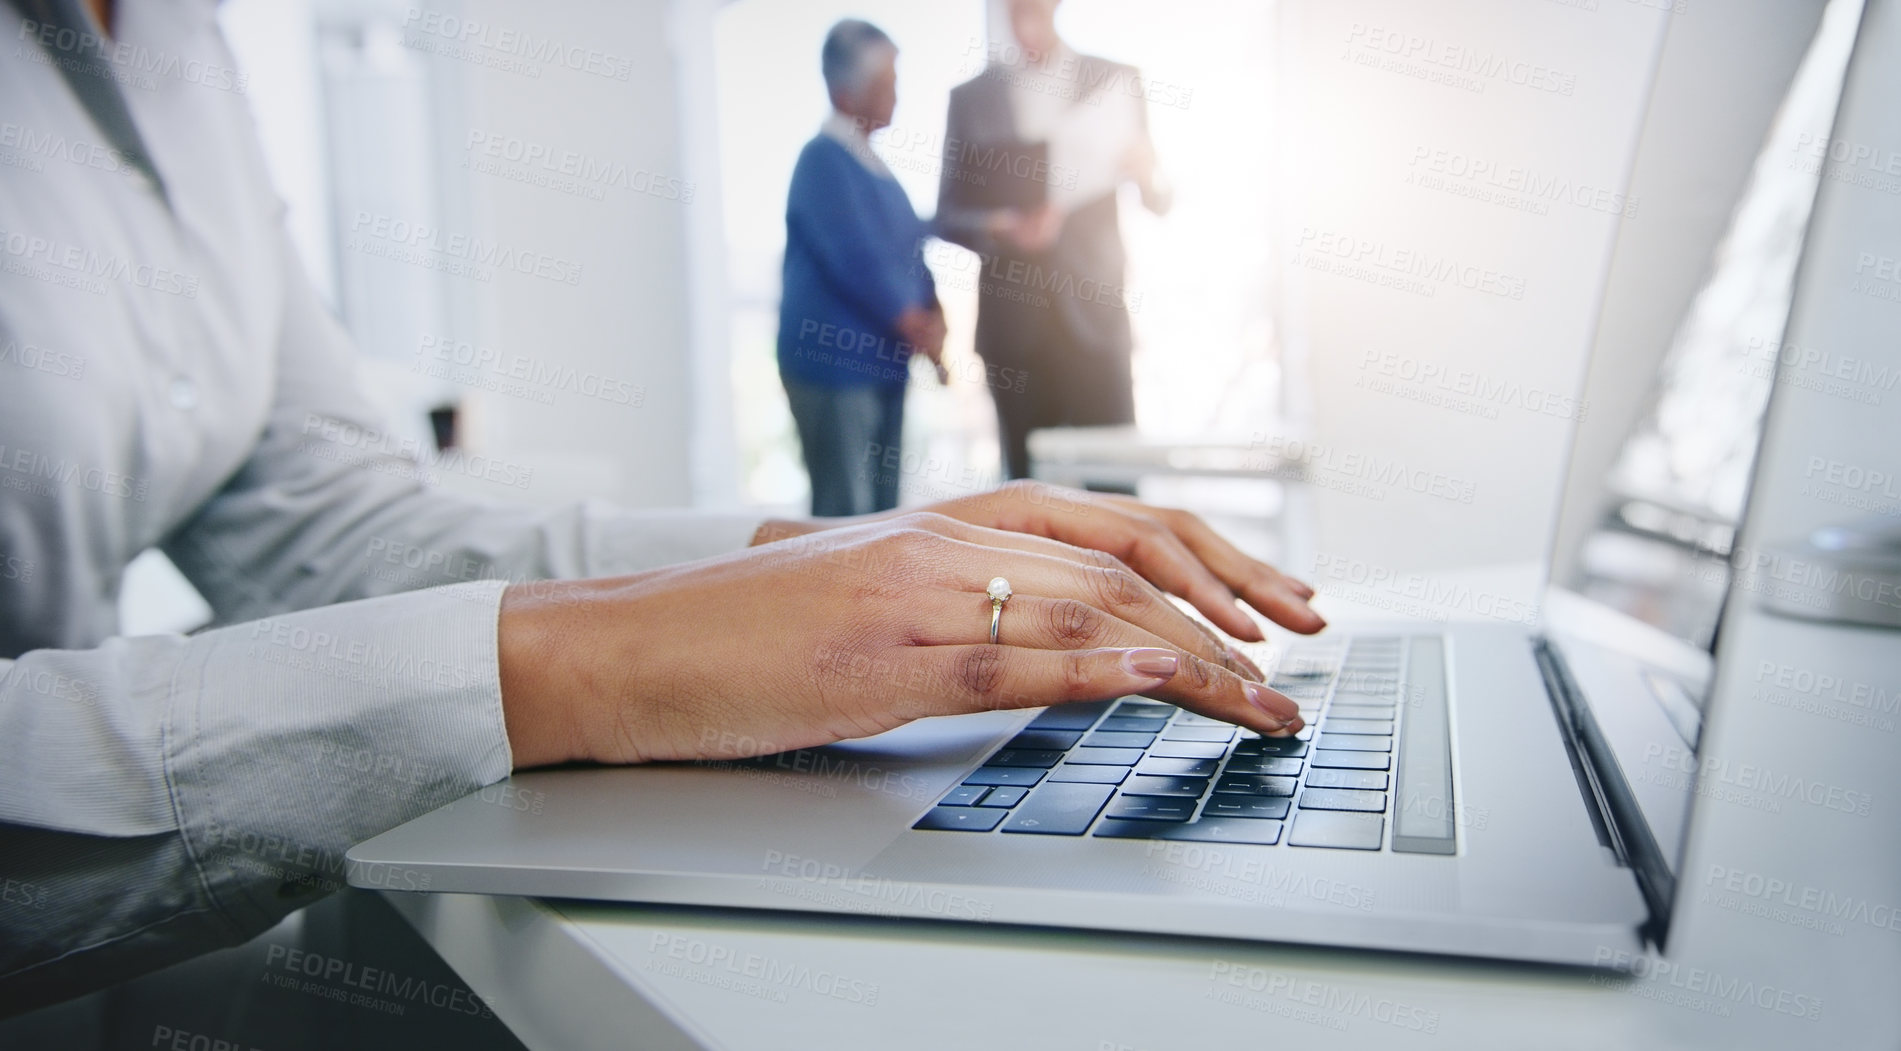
1465,790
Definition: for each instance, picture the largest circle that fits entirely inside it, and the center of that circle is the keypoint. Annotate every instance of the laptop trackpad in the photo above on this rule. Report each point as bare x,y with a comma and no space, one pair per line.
832,808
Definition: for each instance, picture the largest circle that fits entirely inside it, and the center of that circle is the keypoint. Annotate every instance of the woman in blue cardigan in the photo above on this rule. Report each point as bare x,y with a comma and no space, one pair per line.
858,300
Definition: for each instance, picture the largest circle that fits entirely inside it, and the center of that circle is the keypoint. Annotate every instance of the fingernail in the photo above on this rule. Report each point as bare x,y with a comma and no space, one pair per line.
1268,702
1154,663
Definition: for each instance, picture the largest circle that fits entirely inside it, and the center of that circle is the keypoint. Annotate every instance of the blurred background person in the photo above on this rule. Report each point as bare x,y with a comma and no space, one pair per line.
1035,148
858,300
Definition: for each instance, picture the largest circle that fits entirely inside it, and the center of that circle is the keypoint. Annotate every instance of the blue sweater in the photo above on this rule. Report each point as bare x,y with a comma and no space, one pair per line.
854,261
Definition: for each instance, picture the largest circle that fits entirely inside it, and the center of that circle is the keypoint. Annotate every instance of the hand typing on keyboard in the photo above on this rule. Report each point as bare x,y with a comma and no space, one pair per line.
1172,548
854,630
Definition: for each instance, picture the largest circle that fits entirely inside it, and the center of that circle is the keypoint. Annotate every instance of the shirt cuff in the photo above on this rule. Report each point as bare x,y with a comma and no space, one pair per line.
291,739
634,541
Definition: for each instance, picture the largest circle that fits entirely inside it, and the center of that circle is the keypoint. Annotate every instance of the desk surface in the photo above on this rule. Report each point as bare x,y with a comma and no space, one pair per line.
1787,935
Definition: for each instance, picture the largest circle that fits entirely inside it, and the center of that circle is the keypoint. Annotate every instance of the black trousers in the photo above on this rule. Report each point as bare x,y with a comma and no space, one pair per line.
1046,378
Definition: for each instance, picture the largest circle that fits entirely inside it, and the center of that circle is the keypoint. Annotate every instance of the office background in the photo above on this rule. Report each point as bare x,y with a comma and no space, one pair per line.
584,261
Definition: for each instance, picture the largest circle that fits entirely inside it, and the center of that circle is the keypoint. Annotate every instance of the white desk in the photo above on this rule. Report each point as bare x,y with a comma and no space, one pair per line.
570,975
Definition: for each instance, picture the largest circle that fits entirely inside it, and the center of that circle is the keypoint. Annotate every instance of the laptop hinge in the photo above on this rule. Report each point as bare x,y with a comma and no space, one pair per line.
1613,808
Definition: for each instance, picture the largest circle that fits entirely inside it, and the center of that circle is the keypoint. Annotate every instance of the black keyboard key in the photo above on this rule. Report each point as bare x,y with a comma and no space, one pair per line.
1356,742
1118,740
1335,724
1059,809
960,819
1221,734
1106,756
1004,775
1054,740
1123,723
1079,716
1351,760
1289,746
1254,785
1207,830
1004,797
1150,808
1112,828
1188,750
963,795
1095,775
1343,799
1341,831
1041,758
1369,780
1279,766
1176,767
1259,807
1180,787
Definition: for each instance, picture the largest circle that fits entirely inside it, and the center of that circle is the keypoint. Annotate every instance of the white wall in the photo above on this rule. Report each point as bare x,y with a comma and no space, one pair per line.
625,319
1460,380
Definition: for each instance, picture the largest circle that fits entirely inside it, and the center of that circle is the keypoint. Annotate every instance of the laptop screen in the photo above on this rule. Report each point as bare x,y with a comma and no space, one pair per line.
1690,337
1655,494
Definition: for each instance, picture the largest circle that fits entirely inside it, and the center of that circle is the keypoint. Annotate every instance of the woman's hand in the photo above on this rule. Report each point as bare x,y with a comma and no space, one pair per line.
846,633
1173,549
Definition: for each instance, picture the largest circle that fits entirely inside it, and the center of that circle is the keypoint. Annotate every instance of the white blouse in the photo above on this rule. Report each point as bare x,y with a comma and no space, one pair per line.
168,378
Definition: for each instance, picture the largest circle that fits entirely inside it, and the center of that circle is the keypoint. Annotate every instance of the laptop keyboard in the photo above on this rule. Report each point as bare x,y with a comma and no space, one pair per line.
1140,769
